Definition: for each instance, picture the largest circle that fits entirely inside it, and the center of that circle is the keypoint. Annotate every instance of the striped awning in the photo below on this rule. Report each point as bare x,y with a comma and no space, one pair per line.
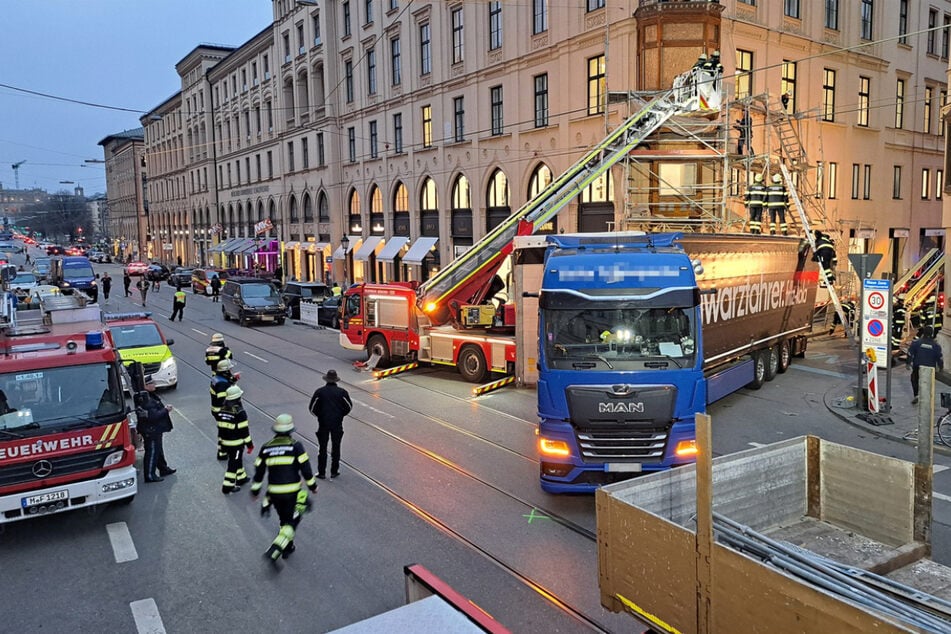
238,245
223,246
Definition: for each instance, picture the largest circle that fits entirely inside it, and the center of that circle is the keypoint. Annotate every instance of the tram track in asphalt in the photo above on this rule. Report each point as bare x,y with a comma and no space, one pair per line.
548,595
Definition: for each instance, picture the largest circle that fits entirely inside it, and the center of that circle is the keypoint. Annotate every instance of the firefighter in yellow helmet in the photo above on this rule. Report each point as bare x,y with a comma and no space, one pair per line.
777,201
754,200
216,351
285,462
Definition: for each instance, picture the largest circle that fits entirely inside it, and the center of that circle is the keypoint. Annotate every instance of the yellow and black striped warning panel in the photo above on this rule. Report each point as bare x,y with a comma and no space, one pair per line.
379,374
494,385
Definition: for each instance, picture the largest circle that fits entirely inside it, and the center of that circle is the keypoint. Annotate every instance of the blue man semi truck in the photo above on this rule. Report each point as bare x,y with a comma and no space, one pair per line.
639,332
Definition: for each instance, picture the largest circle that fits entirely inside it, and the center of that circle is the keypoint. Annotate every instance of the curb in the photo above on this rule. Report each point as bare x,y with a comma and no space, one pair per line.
875,431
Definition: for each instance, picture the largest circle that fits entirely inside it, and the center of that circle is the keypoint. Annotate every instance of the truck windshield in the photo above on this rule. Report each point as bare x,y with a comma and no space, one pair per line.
56,397
620,339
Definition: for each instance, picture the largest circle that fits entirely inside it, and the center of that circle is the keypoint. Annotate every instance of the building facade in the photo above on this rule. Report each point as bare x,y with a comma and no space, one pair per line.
375,140
124,154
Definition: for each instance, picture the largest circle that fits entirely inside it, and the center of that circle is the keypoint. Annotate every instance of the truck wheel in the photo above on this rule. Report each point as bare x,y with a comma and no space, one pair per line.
760,361
472,364
772,362
377,345
785,357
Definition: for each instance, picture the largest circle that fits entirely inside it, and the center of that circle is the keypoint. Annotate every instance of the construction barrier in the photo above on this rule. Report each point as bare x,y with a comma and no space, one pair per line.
871,371
379,374
494,385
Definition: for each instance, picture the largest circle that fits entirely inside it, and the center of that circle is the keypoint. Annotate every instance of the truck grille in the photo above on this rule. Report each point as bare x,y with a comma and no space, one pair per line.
605,445
23,473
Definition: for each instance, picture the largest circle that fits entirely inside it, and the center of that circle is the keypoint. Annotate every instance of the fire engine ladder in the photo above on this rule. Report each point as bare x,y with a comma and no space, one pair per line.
910,273
926,285
473,265
810,237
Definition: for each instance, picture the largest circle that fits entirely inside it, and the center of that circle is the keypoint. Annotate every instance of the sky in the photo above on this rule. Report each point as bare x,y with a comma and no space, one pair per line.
120,54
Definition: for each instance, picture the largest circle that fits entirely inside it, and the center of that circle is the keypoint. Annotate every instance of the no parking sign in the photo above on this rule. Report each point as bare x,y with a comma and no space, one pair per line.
876,301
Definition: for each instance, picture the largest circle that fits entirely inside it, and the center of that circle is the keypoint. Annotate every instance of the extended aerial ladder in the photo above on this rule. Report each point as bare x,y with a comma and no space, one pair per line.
468,278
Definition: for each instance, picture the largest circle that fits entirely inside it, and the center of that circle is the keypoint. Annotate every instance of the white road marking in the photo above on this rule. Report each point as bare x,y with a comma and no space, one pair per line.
941,496
256,356
203,334
806,368
373,409
147,617
122,546
756,444
938,468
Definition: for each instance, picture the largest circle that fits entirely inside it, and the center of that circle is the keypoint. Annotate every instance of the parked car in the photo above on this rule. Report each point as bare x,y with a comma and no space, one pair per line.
24,282
294,292
157,273
248,299
201,279
181,276
100,257
55,249
328,313
134,269
41,266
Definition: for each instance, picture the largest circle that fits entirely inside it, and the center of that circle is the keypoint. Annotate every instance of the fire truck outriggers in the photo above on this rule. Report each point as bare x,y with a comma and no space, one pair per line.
65,439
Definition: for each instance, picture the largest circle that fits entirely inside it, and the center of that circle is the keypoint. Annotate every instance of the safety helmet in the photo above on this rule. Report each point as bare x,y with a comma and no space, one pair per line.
716,53
217,338
758,178
283,424
224,365
703,57
234,393
777,178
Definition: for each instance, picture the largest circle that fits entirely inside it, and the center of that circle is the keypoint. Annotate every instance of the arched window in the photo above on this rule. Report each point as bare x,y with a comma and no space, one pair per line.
596,212
376,211
497,206
355,221
461,202
323,209
294,214
429,209
401,225
461,198
308,208
541,178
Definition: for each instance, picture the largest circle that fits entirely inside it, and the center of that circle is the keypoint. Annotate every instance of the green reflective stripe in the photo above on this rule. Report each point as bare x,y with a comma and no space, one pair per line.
242,425
256,487
279,489
280,460
258,462
224,425
302,458
312,481
233,443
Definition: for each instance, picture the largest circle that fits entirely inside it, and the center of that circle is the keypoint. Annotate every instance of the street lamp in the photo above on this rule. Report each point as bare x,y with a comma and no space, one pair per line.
345,244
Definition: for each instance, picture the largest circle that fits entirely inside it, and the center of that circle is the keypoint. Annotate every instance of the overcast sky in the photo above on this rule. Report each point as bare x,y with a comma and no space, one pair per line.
115,53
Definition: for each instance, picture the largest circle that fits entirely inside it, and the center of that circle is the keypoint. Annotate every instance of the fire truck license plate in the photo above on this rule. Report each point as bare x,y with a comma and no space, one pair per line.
44,498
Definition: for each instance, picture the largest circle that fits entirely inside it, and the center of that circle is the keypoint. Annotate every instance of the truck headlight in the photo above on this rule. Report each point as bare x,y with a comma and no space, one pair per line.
114,458
549,447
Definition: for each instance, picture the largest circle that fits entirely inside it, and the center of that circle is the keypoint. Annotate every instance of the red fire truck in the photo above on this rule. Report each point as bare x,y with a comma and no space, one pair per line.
65,441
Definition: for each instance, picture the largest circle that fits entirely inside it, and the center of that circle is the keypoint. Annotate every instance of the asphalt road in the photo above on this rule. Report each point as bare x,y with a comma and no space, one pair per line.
431,476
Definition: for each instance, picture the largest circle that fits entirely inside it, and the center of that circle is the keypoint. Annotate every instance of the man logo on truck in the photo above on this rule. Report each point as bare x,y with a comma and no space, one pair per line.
625,408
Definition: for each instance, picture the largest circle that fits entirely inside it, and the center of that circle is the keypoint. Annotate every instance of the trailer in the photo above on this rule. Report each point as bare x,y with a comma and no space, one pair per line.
639,332
799,536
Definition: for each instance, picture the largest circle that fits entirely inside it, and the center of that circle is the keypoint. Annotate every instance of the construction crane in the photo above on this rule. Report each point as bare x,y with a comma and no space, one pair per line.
16,174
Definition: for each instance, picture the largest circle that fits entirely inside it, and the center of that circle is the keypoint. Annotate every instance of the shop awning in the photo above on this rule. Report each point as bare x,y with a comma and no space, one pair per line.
367,248
390,250
291,245
314,247
419,250
239,245
354,243
223,246
248,249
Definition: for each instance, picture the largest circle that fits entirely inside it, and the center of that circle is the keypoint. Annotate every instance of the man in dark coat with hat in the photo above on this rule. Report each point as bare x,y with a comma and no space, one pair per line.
330,404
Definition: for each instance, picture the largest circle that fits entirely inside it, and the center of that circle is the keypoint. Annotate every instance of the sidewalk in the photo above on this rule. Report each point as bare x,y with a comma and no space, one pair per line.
892,423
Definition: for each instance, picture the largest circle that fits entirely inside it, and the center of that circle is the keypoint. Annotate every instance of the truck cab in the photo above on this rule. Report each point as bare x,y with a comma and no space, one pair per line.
71,273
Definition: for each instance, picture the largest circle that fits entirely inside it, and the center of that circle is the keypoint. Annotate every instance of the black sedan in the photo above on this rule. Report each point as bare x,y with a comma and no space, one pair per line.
328,313
157,273
181,277
294,292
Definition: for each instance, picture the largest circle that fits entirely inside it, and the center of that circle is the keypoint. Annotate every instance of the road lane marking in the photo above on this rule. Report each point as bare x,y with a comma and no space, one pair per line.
256,356
941,496
938,468
373,409
122,545
756,444
806,368
203,334
147,617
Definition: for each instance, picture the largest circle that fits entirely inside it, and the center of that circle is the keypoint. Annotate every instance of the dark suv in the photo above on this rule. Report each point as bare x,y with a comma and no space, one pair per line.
295,291
250,299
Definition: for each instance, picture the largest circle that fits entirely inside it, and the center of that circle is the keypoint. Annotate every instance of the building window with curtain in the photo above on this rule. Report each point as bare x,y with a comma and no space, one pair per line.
596,85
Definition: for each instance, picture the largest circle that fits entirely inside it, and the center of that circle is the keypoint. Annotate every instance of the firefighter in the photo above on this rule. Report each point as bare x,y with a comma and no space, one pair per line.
216,351
222,379
285,462
777,200
825,255
898,322
233,436
754,200
848,309
930,314
701,61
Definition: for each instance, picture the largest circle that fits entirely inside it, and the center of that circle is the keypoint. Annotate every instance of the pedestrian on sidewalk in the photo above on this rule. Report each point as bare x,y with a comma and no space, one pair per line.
330,404
285,463
126,283
178,304
923,351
